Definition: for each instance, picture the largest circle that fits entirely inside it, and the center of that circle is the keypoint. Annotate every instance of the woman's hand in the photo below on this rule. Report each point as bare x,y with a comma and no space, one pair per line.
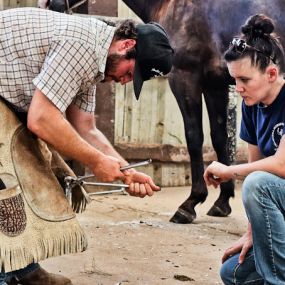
243,245
216,173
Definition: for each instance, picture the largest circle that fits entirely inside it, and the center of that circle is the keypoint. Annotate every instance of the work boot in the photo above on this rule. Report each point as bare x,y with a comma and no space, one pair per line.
42,277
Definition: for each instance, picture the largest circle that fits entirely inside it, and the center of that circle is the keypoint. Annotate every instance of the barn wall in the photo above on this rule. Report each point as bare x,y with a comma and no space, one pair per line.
7,4
103,8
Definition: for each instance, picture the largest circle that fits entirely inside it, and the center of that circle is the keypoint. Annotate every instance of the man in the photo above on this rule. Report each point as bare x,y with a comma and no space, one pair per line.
49,66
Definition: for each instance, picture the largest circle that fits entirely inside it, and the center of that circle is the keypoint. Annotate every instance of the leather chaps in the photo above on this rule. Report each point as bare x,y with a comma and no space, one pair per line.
36,220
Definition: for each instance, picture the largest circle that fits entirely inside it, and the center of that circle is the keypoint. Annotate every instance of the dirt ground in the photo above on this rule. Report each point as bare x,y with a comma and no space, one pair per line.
132,242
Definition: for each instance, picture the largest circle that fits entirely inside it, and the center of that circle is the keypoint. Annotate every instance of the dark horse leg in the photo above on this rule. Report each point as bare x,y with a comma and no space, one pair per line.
189,98
61,6
216,102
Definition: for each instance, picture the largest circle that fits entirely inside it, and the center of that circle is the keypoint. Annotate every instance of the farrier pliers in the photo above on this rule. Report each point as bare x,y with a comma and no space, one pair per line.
71,182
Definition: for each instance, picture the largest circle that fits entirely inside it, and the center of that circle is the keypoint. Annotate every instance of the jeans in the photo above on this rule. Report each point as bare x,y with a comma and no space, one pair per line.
263,196
233,273
18,274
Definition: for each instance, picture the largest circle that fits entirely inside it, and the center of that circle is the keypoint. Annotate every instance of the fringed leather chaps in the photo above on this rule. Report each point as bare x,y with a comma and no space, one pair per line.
36,220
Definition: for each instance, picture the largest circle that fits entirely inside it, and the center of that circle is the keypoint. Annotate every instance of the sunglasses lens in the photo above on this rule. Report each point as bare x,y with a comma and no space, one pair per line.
238,44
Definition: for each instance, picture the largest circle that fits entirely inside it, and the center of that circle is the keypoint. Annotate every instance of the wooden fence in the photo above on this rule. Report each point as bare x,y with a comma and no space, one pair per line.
7,4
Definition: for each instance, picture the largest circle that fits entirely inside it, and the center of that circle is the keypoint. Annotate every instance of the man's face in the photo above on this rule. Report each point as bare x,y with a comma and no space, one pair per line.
119,69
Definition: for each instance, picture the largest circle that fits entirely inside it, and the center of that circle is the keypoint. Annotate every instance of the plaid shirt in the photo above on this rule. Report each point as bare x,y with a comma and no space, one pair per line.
64,56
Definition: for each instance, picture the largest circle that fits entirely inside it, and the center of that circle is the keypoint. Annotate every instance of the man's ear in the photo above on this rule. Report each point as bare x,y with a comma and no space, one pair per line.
272,73
126,45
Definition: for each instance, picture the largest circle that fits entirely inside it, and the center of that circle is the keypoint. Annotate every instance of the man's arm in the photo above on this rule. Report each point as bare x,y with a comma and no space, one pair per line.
84,123
48,123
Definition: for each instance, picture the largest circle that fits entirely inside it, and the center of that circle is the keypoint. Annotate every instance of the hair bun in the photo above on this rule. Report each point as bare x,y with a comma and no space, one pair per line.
258,26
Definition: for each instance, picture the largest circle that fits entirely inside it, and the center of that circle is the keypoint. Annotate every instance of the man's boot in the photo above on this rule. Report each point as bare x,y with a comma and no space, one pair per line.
42,277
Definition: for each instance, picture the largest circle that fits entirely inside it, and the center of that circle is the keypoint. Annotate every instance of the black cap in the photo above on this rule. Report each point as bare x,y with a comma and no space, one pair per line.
154,54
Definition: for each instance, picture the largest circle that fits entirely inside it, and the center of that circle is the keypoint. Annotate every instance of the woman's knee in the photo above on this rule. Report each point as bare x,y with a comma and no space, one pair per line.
234,273
227,271
226,274
252,187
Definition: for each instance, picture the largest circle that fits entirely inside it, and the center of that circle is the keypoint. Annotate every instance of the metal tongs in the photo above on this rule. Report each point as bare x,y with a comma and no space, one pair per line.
71,182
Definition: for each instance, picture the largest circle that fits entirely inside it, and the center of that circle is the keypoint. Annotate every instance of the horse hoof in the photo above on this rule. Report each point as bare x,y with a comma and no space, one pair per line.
216,211
183,217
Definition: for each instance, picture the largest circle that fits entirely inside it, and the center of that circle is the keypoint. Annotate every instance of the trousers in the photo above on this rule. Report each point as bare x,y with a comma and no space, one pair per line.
18,274
263,196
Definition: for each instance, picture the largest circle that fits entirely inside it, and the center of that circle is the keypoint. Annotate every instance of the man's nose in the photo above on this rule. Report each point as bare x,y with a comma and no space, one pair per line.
124,80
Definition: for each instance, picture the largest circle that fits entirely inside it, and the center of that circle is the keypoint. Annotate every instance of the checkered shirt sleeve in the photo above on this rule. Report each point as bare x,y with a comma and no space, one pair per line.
64,56
67,75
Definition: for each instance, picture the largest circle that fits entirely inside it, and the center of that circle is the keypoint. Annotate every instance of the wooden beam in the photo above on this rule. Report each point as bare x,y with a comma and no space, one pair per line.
169,153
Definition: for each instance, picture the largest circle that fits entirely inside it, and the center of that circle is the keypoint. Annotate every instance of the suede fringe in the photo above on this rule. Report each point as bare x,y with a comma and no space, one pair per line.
51,244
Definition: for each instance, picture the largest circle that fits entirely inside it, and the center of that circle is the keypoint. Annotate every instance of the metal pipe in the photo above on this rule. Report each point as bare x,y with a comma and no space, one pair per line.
132,165
105,184
107,192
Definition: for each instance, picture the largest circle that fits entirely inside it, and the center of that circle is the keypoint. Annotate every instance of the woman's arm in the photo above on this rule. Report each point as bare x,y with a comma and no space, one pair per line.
217,173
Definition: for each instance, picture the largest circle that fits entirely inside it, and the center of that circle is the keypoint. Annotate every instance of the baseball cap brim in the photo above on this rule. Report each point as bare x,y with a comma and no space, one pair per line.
148,69
138,80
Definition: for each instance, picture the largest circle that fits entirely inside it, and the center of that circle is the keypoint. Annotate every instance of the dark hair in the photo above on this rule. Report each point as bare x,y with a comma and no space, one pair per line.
261,44
126,29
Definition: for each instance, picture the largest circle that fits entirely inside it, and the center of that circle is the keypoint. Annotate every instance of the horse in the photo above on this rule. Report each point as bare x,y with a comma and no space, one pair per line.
200,32
65,6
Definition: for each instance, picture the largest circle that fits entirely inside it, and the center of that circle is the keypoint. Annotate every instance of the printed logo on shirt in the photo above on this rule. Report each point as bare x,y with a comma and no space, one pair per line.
276,134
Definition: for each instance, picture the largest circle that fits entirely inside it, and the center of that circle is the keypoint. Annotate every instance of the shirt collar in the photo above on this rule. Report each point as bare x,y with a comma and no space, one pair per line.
106,43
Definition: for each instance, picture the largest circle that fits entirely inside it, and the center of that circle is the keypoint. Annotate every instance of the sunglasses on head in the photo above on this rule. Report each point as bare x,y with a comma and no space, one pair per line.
240,46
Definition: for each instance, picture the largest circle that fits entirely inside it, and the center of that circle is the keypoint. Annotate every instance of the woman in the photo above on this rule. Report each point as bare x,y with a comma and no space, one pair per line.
256,62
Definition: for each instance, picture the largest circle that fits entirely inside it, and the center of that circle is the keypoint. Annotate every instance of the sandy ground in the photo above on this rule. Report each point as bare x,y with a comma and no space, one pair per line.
131,241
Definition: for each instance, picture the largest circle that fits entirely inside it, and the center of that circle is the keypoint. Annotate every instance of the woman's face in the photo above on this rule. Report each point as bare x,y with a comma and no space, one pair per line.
252,84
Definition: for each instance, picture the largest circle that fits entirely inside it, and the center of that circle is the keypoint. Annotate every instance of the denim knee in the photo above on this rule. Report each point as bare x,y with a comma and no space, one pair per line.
252,187
234,273
227,272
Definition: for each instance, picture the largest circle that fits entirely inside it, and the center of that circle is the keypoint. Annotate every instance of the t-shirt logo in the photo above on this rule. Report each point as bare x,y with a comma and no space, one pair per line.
276,134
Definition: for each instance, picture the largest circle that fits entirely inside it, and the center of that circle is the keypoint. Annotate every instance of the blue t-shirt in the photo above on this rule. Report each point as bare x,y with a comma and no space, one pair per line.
264,126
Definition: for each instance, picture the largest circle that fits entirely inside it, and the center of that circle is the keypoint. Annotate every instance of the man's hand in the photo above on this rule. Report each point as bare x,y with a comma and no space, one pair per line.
243,245
216,173
140,183
107,169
